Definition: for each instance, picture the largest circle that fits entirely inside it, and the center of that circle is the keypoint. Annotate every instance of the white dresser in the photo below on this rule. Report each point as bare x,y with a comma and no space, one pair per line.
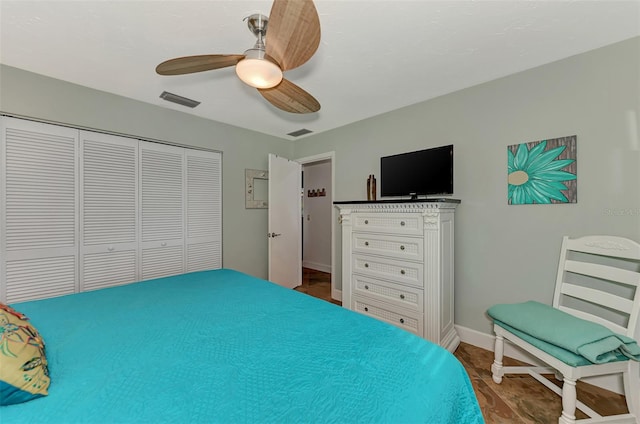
397,264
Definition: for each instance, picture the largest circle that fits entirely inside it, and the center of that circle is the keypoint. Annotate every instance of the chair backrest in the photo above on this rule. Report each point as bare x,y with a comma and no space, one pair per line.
599,280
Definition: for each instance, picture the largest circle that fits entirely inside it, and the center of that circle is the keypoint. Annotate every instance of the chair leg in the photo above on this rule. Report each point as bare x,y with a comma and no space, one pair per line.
568,402
632,388
496,367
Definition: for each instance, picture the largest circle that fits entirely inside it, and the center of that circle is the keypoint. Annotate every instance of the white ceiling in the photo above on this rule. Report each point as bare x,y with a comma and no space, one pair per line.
374,56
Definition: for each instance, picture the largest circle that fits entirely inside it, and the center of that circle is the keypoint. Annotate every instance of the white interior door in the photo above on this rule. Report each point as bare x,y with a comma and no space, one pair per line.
108,205
162,210
38,210
204,210
285,223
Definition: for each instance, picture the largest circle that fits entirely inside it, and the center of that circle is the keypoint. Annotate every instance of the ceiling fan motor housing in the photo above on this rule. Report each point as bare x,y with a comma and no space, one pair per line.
257,24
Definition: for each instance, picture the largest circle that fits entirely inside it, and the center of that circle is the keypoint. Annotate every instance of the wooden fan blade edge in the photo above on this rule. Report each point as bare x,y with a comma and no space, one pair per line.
289,97
293,34
199,63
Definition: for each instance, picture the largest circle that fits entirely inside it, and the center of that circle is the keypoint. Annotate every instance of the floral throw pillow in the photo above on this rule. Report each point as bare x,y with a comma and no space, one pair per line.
23,365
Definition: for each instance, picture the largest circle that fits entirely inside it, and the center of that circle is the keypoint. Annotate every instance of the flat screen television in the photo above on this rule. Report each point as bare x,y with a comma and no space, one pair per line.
424,172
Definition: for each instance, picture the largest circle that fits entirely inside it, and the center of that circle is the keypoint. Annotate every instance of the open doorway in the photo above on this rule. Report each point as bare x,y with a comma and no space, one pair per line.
318,219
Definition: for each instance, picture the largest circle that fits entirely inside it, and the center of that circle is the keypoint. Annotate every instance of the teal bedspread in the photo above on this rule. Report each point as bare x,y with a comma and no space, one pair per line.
589,340
223,347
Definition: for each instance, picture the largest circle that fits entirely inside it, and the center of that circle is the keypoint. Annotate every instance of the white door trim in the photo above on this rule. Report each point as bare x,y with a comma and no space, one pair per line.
331,156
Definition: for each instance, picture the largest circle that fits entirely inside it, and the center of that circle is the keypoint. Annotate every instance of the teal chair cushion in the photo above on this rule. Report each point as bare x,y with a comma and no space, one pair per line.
570,339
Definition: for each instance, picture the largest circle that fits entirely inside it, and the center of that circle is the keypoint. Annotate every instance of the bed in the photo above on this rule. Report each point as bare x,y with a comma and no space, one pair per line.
222,346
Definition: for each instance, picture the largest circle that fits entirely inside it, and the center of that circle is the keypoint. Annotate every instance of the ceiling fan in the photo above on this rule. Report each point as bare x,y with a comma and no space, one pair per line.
292,39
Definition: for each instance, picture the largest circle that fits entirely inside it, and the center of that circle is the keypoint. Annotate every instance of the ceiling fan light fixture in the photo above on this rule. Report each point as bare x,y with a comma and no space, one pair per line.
258,71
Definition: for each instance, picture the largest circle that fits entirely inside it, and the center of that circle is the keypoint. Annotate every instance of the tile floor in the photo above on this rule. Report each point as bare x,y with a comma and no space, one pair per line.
522,399
519,399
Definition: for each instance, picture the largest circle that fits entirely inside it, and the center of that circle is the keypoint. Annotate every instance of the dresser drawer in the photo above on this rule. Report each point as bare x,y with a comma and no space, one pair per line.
410,273
408,320
381,244
410,224
405,297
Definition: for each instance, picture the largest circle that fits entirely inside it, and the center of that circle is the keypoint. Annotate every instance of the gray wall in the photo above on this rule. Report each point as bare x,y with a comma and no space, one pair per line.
503,253
244,247
509,253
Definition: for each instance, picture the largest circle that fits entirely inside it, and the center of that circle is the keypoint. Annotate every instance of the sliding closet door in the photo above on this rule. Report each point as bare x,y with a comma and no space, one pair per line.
108,205
39,201
204,210
162,210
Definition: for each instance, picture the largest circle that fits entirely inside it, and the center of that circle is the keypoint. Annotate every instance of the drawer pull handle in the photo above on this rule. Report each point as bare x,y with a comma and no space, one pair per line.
366,265
402,272
366,243
366,287
366,309
401,320
401,247
366,221
402,223
401,296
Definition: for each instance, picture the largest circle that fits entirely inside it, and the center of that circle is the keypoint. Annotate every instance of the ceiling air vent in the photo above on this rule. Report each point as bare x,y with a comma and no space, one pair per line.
298,133
170,97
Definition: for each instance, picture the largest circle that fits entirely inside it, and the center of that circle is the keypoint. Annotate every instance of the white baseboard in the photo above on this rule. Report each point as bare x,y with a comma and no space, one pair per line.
336,294
487,341
317,266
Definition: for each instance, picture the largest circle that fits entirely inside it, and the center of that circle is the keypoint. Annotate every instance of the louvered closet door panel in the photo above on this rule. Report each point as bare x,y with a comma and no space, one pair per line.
204,210
162,209
39,278
162,261
39,200
114,268
108,205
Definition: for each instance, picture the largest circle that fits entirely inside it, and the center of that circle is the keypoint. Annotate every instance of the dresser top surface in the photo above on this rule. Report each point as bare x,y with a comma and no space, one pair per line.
396,201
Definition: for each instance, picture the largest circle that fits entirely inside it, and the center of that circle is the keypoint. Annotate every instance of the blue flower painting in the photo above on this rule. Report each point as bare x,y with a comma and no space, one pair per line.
542,172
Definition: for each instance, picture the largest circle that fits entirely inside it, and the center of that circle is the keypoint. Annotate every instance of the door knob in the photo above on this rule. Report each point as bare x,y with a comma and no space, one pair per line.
273,235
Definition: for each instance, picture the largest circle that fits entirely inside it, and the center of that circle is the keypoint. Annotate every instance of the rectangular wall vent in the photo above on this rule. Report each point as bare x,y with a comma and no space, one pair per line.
174,98
300,132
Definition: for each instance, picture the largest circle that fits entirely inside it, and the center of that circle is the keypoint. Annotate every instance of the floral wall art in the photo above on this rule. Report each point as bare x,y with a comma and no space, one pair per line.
542,172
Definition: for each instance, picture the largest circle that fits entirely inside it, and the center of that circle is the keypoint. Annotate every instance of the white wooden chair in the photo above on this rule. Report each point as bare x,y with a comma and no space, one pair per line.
598,280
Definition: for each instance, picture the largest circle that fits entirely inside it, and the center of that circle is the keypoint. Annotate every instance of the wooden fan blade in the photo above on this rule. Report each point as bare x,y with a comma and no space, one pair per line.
290,98
191,64
293,32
